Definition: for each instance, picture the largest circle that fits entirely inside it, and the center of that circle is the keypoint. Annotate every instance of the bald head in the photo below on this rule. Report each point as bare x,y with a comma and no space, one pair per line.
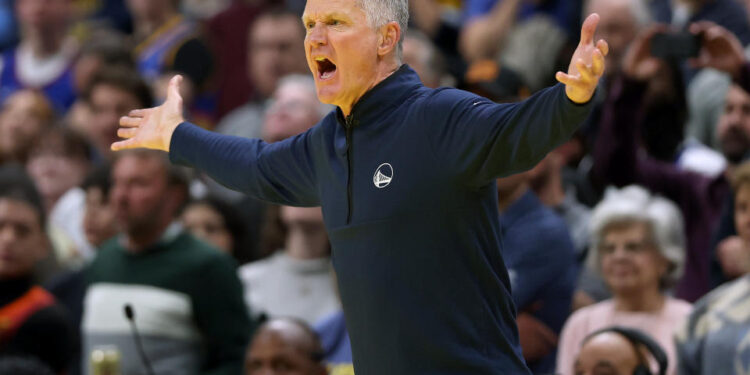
284,346
607,352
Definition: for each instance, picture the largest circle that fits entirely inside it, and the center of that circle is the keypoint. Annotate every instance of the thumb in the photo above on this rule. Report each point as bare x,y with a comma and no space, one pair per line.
173,91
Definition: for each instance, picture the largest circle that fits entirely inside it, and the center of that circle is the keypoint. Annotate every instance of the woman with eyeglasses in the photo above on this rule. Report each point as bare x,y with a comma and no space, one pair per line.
638,247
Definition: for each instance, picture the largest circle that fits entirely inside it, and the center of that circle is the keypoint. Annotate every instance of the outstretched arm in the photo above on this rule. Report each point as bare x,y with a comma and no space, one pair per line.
280,173
486,140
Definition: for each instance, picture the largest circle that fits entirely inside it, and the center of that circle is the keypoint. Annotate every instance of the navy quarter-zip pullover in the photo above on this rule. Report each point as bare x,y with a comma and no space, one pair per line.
407,186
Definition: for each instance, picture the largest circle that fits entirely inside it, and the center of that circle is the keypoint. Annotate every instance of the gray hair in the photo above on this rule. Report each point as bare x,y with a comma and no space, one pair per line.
634,204
380,12
638,9
306,82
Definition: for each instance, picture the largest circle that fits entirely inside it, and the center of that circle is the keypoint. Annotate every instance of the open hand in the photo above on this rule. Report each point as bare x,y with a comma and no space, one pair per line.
153,127
720,49
586,65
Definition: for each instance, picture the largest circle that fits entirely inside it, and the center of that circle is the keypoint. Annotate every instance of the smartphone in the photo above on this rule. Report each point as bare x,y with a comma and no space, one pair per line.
675,45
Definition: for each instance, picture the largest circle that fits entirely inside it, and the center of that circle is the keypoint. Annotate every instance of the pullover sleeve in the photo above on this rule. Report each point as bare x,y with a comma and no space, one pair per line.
481,140
280,172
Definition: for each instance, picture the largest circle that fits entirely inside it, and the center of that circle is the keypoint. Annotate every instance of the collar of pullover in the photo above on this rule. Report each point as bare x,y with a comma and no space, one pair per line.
381,99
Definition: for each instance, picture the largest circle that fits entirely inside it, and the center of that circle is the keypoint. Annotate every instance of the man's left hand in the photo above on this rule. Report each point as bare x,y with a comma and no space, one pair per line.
586,65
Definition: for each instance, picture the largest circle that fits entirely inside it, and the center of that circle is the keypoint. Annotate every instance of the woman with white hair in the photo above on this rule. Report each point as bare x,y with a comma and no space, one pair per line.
638,246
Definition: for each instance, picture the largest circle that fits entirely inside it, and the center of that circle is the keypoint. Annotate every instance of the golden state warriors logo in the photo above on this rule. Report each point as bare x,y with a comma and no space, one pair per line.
383,176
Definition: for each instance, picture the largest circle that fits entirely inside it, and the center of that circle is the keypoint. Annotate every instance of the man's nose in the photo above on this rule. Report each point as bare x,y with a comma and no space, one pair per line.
317,35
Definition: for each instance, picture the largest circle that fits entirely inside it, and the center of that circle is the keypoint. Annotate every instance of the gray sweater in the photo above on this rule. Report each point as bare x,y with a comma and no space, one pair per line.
716,336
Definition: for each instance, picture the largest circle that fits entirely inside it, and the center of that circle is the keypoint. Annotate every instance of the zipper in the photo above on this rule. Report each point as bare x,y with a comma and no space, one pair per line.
349,125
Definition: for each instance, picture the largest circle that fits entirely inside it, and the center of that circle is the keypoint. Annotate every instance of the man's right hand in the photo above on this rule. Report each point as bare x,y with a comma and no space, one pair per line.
153,127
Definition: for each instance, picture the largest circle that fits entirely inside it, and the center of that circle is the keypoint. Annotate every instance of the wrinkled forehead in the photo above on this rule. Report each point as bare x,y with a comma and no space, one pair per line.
322,9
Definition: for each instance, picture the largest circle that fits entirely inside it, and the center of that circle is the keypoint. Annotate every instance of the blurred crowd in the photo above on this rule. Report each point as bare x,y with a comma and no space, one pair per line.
628,247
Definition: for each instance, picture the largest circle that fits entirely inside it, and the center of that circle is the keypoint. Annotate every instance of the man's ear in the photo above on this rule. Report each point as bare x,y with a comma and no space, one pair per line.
390,34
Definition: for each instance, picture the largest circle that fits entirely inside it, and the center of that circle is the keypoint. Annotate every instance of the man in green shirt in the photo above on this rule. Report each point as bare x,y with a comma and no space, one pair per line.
185,295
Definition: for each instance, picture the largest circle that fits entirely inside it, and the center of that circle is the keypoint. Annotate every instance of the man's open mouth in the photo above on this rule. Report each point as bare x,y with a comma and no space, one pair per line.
326,68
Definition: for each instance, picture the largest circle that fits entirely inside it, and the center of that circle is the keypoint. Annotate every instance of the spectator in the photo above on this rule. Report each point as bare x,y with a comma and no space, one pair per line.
699,197
542,290
618,350
43,59
422,56
504,29
293,109
637,244
231,51
274,51
727,13
107,50
295,281
713,339
23,117
112,93
186,297
620,21
219,223
58,163
721,50
99,221
284,346
548,180
167,44
33,324
734,252
99,225
440,21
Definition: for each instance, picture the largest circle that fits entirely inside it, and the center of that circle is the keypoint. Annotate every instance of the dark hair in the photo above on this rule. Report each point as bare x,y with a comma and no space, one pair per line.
124,79
16,185
235,224
99,178
73,143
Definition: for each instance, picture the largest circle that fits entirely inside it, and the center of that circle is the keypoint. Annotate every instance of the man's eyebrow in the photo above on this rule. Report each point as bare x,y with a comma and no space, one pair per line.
327,16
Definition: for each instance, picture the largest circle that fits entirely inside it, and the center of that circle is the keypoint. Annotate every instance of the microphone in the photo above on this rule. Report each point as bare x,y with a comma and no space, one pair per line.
130,315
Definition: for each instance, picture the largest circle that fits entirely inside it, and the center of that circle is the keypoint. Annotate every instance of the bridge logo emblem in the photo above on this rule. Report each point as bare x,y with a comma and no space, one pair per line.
383,176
